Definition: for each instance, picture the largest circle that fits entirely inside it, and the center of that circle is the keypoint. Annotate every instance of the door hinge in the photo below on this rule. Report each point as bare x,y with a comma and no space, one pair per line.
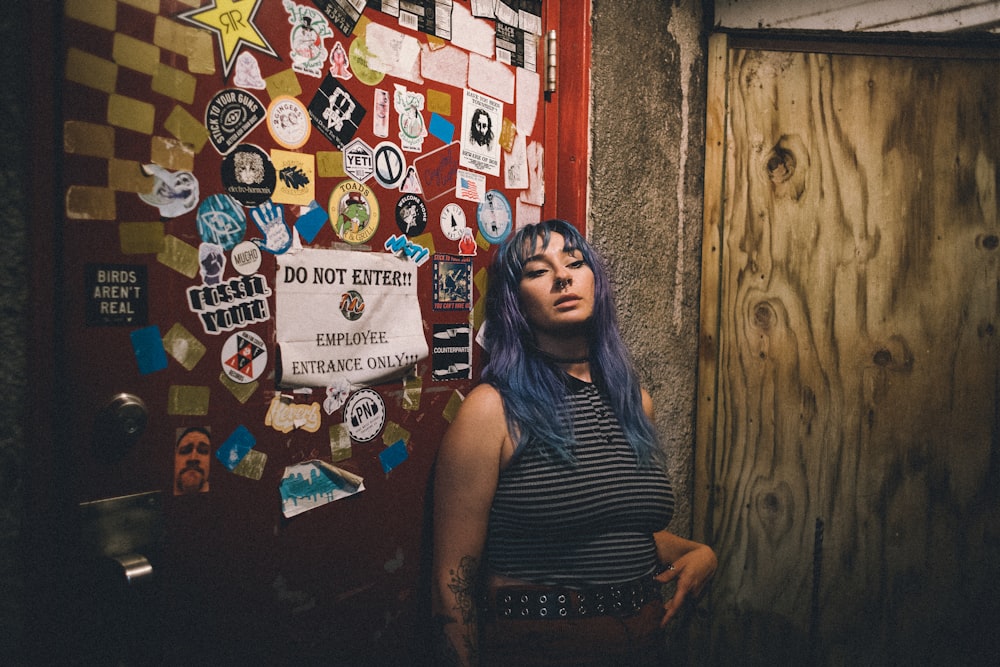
550,61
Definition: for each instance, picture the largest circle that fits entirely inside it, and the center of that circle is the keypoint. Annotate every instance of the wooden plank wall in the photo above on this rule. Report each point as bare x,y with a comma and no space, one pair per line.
849,439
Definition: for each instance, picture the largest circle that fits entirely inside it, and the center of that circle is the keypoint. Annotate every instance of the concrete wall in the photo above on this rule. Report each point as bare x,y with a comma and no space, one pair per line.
647,162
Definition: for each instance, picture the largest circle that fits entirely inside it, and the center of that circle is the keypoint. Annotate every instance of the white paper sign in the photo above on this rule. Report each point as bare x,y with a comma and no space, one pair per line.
346,315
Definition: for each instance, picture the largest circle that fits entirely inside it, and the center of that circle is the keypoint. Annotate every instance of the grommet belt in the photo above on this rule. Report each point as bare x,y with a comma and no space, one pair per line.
553,602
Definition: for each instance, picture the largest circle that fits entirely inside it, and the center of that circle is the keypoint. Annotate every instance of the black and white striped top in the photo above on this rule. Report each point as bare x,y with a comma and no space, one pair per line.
556,522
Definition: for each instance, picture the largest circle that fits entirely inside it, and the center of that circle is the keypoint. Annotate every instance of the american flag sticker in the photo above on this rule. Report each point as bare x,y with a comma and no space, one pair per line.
469,185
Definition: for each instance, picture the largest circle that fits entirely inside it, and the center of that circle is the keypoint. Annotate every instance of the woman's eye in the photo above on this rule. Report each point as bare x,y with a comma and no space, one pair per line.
577,264
534,274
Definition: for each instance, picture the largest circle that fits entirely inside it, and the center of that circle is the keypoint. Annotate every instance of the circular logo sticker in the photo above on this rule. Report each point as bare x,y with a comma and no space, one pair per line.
244,357
390,164
411,215
354,212
220,220
248,175
288,121
230,116
494,216
452,221
246,258
359,56
364,415
352,305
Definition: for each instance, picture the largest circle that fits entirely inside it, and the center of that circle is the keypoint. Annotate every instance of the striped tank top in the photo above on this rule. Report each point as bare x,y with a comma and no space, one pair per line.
589,522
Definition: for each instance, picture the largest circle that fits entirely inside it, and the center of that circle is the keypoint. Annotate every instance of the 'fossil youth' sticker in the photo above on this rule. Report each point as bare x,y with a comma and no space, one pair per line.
230,116
248,175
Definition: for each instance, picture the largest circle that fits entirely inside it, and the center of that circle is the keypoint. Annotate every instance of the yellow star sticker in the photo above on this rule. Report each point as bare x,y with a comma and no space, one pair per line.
232,23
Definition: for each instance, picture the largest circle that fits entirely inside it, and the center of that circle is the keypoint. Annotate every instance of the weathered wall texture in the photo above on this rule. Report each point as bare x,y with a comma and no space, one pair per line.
647,162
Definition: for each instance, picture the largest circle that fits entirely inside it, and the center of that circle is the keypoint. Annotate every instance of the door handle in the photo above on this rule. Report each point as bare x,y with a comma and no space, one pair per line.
118,426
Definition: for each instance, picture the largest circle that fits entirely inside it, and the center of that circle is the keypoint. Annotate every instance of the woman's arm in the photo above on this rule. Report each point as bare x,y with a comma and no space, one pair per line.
467,468
691,564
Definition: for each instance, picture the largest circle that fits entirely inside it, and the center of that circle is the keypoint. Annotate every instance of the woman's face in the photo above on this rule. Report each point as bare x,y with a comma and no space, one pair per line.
557,288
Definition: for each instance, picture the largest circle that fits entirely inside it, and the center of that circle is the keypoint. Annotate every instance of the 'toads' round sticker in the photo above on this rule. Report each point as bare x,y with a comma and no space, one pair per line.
364,415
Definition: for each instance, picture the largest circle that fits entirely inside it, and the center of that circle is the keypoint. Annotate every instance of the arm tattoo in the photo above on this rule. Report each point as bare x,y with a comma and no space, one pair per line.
463,585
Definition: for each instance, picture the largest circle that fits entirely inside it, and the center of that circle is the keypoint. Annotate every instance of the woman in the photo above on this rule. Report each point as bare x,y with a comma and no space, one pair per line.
551,501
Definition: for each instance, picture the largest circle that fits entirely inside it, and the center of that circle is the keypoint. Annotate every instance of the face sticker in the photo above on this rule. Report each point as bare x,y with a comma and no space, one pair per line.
452,282
389,165
309,29
288,121
211,263
230,116
246,258
174,192
220,220
248,175
452,221
494,216
411,215
358,160
244,357
339,65
364,415
354,212
411,182
335,112
412,128
270,220
192,460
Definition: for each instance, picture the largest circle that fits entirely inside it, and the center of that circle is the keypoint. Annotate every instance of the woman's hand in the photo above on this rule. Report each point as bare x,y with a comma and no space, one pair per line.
692,572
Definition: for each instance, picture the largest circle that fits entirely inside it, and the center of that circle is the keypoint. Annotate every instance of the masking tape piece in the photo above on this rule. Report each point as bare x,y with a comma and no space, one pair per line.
82,138
330,164
84,202
412,391
241,390
127,176
426,240
135,54
180,256
141,238
185,399
131,114
101,13
151,6
171,154
186,128
340,443
251,465
197,45
394,432
454,403
174,83
183,346
89,70
438,102
283,83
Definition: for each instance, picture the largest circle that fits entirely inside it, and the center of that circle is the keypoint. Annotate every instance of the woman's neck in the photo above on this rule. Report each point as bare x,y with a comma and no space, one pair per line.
571,355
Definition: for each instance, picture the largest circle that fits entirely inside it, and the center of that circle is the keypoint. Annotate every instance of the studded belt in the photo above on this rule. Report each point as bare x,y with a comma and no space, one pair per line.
554,602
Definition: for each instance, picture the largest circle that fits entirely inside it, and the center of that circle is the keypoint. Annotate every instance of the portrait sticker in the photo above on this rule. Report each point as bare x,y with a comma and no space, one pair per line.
452,351
174,193
248,175
335,112
452,282
244,357
409,106
288,121
344,315
211,263
192,460
354,212
230,116
117,295
482,118
307,38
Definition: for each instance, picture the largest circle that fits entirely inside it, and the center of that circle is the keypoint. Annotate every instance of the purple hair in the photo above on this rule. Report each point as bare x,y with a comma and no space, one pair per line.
530,385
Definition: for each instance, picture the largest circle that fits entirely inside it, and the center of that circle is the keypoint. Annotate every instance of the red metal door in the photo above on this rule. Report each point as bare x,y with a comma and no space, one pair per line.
206,158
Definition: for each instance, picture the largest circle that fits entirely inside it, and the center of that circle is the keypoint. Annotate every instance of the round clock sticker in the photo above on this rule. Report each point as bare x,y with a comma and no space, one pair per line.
494,216
453,221
364,415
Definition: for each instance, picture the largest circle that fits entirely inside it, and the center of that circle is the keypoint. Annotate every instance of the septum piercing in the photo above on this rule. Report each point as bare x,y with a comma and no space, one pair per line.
563,283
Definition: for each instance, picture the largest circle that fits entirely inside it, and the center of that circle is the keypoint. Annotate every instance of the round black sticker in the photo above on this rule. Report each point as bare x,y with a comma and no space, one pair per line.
411,215
248,175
